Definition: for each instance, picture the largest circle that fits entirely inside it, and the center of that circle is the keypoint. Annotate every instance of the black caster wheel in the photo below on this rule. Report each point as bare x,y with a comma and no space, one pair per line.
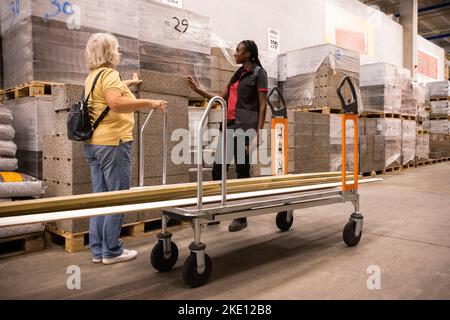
190,274
159,262
349,234
282,223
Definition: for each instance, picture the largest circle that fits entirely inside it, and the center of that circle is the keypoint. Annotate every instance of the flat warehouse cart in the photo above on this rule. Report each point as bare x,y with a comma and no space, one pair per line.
198,266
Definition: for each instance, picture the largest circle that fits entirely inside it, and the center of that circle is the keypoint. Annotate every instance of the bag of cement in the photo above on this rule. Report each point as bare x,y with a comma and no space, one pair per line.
8,164
6,116
6,132
7,149
13,185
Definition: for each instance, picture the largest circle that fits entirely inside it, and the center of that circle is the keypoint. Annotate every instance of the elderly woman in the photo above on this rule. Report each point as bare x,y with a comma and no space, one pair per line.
108,152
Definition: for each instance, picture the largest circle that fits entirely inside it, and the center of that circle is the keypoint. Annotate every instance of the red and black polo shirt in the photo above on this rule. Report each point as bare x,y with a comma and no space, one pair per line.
243,98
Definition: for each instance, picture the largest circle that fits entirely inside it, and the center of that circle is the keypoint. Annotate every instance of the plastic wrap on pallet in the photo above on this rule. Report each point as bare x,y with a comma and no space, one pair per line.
422,147
391,129
43,44
6,132
7,148
439,89
6,116
306,84
33,118
379,74
423,94
8,164
439,146
440,108
439,126
408,141
381,98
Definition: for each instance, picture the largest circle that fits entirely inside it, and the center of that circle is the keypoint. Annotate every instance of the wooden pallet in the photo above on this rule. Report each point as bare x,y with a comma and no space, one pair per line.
409,117
439,98
26,243
423,132
395,169
75,242
30,89
408,166
324,110
423,163
440,118
372,173
380,115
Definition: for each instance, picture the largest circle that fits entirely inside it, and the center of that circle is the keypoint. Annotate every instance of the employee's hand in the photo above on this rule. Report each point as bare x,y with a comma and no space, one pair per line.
159,104
193,83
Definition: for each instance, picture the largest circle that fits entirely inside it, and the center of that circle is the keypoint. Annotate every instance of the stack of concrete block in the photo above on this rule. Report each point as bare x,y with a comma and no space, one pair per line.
318,143
440,108
380,88
439,89
422,147
372,148
439,126
408,141
174,89
380,143
309,77
8,149
439,146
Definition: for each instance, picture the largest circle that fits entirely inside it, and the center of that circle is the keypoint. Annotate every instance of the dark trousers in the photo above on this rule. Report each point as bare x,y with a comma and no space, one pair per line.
242,162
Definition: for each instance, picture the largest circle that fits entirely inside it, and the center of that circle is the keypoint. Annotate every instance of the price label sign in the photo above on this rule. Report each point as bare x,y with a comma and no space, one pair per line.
174,3
274,40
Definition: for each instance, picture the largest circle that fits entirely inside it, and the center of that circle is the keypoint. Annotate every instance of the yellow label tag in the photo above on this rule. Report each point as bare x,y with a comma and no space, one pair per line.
11,177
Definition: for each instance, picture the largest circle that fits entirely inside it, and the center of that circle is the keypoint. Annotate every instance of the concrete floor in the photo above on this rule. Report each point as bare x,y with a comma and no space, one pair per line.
406,234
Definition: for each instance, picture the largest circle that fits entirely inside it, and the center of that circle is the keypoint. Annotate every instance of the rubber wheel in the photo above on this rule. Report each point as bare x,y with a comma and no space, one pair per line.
281,222
190,274
349,234
157,257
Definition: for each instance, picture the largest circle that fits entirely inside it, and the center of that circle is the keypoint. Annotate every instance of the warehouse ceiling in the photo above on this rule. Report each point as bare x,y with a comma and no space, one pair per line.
434,18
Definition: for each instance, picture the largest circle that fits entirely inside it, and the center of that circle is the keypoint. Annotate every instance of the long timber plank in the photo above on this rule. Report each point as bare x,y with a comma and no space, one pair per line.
161,193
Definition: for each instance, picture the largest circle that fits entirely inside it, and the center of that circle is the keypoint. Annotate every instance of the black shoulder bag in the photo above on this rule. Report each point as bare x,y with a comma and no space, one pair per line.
79,127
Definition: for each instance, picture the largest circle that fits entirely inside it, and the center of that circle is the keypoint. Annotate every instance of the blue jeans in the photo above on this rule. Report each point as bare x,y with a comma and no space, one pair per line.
110,171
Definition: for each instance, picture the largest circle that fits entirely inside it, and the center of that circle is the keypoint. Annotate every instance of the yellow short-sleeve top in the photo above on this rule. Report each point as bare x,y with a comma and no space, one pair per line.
115,127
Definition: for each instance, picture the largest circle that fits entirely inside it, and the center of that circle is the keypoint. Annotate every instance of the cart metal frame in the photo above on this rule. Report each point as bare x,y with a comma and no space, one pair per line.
198,266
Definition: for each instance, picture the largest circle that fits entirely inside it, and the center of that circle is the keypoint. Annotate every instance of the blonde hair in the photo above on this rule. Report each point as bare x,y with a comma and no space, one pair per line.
102,50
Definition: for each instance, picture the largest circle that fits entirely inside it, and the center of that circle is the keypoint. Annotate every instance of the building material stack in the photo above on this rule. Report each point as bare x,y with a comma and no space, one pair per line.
423,123
318,143
380,125
439,119
309,79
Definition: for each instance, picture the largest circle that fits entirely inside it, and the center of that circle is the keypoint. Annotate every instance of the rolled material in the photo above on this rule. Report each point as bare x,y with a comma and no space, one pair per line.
6,132
7,149
8,164
6,116
13,185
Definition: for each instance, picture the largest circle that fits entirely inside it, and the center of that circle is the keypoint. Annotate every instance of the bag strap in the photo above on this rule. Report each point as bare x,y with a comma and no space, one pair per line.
100,118
93,85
